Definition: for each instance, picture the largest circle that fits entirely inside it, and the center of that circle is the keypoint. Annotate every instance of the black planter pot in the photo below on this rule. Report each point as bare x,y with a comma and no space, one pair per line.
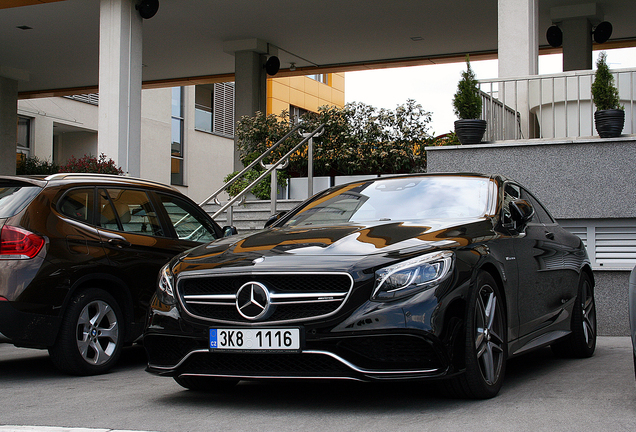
470,131
609,123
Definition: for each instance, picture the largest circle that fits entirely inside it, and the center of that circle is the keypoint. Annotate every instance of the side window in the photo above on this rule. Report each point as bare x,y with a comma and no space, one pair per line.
187,220
128,210
78,204
540,213
511,193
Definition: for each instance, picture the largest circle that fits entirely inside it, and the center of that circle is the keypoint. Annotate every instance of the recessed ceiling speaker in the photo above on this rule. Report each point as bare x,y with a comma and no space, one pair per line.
147,8
272,65
554,35
602,32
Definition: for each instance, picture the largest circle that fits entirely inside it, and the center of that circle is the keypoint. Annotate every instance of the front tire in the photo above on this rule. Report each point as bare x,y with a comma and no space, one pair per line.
485,343
91,334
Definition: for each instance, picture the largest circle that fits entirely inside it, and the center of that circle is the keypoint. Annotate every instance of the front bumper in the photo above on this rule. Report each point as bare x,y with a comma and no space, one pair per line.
366,357
377,341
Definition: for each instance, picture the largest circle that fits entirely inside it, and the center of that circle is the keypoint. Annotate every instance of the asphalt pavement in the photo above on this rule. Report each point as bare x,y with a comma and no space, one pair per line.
540,393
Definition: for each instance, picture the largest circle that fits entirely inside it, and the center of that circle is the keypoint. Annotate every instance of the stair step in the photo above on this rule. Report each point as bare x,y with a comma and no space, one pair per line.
250,215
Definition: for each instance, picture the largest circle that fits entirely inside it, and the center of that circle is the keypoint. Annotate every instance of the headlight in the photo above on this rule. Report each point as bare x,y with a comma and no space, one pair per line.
411,276
165,286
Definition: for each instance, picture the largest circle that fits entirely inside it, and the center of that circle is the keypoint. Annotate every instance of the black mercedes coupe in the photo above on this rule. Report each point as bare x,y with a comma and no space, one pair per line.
432,276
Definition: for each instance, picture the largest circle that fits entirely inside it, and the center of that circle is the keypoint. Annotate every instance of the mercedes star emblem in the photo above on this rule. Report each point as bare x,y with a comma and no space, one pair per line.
252,301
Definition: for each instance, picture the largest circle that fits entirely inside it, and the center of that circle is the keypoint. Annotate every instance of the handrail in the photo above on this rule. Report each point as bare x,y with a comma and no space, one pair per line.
267,172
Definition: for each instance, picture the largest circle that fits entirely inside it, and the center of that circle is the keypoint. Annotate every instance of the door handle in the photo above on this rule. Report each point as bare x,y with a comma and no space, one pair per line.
120,243
550,235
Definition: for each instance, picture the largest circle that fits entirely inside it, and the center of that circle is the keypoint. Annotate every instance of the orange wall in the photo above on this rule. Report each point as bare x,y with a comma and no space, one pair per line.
304,92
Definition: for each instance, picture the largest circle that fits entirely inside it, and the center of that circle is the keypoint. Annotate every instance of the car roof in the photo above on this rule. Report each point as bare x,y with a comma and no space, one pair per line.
69,178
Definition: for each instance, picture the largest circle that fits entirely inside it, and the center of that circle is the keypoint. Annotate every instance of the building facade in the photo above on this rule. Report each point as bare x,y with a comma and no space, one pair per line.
187,133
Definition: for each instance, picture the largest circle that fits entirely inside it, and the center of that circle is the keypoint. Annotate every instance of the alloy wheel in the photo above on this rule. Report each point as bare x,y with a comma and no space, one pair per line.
97,332
488,330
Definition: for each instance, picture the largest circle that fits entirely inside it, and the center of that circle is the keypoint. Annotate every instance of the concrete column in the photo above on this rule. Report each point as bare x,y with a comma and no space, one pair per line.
575,22
250,80
518,40
8,125
518,53
120,47
577,44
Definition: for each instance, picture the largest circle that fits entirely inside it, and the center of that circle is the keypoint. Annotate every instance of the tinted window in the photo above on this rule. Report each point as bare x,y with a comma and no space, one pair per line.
187,220
128,210
399,200
78,204
14,197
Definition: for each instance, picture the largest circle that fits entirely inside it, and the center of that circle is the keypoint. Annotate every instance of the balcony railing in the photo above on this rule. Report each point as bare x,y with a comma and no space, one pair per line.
550,106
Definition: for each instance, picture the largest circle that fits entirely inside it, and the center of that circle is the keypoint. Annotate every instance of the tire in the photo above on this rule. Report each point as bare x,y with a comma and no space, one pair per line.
581,343
203,383
485,343
91,334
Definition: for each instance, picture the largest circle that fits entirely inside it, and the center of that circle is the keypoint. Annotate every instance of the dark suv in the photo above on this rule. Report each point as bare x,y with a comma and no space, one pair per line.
79,259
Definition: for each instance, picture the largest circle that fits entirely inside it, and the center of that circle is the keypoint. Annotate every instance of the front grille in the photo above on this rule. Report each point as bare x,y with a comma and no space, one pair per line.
267,365
292,296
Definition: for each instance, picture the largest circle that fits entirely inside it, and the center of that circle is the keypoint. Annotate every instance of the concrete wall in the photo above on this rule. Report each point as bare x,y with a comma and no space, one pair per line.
575,179
590,178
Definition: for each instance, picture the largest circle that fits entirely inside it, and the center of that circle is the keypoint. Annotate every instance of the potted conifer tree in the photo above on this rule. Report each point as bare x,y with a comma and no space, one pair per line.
467,106
609,117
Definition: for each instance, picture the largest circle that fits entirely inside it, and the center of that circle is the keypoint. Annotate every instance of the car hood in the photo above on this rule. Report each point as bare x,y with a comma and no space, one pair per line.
341,243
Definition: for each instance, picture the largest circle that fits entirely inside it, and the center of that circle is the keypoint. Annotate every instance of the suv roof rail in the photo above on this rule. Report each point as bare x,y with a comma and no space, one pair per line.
62,176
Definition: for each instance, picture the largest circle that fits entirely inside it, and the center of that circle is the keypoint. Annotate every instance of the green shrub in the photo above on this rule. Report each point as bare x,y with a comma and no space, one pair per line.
91,164
467,102
35,166
604,92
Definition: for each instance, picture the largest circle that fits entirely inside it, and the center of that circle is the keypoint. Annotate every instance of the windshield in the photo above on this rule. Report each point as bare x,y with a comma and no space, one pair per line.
15,196
399,199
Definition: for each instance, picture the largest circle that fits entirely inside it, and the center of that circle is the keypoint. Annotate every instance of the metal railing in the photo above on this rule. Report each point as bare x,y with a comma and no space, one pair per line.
270,168
550,106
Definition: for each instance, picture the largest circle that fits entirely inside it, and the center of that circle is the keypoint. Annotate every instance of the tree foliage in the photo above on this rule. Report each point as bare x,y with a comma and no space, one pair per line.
357,139
467,102
604,91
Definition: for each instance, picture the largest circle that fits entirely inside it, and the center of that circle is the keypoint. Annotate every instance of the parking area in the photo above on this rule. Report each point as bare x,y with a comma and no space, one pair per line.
540,393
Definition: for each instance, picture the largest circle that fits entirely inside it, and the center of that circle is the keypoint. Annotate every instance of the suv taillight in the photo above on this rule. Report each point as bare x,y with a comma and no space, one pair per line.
18,243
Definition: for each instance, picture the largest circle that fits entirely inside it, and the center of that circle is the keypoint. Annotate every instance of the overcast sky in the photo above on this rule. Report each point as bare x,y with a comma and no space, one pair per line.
434,86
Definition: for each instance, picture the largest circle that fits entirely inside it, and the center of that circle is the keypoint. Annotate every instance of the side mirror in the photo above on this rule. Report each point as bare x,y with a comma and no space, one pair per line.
521,213
229,231
273,218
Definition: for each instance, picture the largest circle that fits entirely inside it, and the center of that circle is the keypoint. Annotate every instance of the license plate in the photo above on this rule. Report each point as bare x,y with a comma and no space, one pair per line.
278,339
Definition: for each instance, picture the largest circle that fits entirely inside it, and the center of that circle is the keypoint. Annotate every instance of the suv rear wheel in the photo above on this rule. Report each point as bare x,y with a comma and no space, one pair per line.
91,334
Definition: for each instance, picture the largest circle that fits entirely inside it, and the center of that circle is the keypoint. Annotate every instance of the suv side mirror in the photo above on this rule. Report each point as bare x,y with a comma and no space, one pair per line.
273,218
521,213
229,231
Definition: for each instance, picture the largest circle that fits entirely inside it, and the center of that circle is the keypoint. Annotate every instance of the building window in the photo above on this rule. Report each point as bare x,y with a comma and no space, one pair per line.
214,109
176,149
23,147
323,78
295,113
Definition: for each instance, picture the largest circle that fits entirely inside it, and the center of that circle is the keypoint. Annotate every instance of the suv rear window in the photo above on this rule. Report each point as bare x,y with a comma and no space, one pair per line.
16,196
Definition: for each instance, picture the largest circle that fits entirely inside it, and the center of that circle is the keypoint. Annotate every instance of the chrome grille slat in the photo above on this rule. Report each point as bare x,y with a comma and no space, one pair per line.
295,296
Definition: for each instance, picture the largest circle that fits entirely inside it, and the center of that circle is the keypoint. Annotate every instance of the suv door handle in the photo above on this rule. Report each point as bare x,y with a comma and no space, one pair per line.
550,235
120,243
